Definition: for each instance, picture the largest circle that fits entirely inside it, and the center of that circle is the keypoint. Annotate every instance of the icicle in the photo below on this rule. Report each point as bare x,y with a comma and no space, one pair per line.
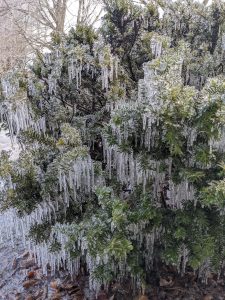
183,259
47,58
178,194
156,47
74,71
21,118
108,64
218,144
223,42
116,61
10,84
79,177
129,170
204,271
105,78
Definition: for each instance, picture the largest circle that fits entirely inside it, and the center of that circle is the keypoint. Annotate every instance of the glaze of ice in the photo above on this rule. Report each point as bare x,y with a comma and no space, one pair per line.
9,280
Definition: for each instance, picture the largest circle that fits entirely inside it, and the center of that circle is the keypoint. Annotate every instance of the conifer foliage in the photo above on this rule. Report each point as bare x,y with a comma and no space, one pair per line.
122,131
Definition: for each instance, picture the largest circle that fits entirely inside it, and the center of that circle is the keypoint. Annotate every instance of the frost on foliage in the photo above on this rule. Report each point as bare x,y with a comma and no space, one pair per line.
218,144
75,168
76,63
60,258
178,194
60,233
14,228
56,63
79,177
150,88
139,233
10,84
80,61
15,110
147,87
128,166
158,43
129,170
74,71
20,117
108,64
214,94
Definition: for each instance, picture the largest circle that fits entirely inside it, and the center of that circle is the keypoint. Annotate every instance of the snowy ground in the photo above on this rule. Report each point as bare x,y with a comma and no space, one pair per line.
5,144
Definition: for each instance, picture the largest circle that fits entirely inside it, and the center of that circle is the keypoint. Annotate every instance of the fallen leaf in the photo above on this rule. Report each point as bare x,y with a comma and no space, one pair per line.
29,283
143,298
31,274
164,282
208,297
55,284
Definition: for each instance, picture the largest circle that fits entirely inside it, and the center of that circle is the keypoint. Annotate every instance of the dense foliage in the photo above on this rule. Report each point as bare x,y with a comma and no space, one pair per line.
122,132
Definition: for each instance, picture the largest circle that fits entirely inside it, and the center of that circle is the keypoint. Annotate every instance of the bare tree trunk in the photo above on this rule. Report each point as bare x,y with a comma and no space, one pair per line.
79,14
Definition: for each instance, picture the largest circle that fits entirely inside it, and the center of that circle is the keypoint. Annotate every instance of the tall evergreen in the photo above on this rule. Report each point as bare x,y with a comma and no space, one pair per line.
122,129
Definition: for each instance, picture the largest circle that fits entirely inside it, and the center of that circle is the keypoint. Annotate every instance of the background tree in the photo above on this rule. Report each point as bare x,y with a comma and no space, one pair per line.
27,26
